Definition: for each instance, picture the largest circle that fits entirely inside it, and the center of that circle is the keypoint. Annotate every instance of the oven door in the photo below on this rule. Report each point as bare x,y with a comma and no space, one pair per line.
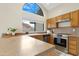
60,42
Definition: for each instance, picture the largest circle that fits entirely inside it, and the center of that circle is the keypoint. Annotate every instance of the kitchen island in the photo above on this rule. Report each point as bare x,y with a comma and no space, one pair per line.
23,45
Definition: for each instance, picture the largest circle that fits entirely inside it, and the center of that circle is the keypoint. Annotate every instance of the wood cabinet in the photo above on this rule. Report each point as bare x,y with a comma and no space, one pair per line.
75,18
51,23
58,18
72,16
63,21
50,40
40,37
46,38
73,46
66,16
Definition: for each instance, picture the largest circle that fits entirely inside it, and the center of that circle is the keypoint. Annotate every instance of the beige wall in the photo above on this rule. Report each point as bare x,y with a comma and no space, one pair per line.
62,9
9,16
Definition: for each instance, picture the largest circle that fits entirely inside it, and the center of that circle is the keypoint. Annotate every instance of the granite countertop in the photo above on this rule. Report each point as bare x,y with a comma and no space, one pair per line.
38,34
76,35
21,34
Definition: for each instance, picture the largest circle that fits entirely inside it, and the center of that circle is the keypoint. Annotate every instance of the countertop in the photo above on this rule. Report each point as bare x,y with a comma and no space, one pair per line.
37,34
23,45
20,34
75,35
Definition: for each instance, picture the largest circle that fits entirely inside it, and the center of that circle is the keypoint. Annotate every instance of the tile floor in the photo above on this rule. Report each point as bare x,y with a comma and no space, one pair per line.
53,52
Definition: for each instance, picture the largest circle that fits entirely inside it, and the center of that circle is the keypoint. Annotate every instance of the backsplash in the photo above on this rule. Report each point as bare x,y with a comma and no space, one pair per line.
67,30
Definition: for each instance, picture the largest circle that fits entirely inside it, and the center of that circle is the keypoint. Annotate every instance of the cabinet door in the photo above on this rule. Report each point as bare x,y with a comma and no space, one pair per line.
66,16
49,23
50,40
39,37
75,18
53,22
73,45
58,18
72,51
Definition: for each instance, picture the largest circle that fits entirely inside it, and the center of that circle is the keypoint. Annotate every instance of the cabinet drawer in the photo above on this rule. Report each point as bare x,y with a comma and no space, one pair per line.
59,18
72,51
72,47
40,37
66,16
72,43
72,39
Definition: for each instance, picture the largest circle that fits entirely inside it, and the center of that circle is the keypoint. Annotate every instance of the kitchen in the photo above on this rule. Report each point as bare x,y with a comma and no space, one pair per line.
66,25
59,30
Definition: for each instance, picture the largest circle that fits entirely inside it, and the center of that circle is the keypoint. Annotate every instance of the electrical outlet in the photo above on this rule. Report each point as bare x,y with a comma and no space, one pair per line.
74,30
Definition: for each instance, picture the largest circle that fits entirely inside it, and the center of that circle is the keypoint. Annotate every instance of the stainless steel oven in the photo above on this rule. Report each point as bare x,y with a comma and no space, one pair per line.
61,42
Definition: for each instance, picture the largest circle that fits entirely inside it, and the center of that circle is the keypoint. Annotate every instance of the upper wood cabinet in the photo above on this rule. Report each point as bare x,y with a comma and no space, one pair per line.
51,23
59,18
66,16
72,16
63,17
75,18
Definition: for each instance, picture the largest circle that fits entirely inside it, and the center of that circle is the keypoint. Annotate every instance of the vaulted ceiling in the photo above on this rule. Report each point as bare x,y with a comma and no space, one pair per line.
46,7
50,6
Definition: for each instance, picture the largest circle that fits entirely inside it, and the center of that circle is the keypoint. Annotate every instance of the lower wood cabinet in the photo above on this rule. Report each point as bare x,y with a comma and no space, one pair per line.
72,51
45,38
73,46
40,37
50,40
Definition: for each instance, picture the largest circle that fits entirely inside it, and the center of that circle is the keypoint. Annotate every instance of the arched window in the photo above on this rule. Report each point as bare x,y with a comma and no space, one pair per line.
33,8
